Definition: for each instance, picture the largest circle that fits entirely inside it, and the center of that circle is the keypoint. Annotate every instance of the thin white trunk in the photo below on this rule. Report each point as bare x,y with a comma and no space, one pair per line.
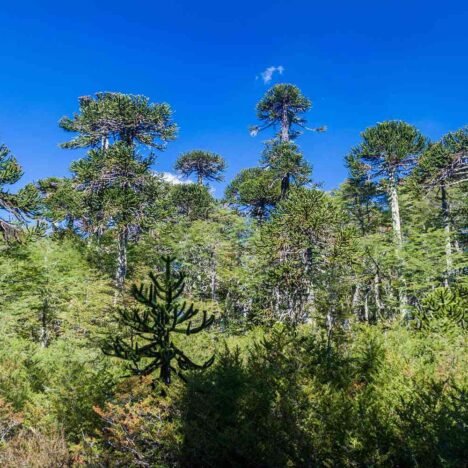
448,241
396,224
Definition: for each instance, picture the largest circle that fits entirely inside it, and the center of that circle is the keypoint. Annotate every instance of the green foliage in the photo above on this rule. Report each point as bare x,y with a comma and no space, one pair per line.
17,206
110,117
151,345
282,105
192,201
205,165
287,165
254,190
390,148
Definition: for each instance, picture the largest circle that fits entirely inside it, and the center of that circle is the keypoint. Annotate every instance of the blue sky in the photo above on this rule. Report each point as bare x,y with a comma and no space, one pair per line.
359,62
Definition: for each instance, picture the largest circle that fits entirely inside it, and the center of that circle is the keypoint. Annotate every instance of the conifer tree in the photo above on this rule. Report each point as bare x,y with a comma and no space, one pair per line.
443,165
390,151
205,165
287,164
254,190
151,346
16,206
283,106
120,124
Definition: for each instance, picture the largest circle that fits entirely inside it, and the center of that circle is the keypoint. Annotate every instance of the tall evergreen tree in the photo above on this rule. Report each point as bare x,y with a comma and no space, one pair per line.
124,122
205,165
443,165
17,207
283,106
390,151
287,164
151,347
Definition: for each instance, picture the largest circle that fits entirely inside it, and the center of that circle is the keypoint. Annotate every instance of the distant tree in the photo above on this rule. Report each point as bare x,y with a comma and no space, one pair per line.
17,206
283,106
255,190
390,150
287,164
205,165
192,200
152,347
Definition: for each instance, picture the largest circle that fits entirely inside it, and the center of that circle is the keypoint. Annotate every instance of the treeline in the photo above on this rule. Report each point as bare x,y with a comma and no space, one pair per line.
338,328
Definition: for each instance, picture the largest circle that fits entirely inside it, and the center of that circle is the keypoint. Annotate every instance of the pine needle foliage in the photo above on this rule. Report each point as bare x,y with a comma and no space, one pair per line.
151,346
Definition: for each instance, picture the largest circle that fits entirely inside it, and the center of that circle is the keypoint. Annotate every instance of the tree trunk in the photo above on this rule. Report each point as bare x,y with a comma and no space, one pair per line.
284,125
285,184
356,300
396,224
44,333
447,229
121,272
378,300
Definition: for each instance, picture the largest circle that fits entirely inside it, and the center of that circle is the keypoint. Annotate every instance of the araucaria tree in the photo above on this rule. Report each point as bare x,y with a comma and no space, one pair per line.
151,346
117,127
16,206
286,164
444,165
205,165
390,151
283,106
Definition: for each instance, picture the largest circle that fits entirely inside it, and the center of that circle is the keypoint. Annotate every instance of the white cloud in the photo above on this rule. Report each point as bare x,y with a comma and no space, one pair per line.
267,74
173,178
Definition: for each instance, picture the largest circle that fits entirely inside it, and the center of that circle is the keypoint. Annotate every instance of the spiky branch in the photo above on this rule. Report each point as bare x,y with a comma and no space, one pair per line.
151,346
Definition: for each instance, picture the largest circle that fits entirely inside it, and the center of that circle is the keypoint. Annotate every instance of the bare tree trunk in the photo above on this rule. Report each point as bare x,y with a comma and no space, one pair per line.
356,299
284,125
378,300
396,224
121,272
447,229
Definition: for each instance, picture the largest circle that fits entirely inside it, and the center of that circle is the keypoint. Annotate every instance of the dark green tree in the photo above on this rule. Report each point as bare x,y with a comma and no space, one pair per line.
287,164
283,106
151,346
17,207
255,190
205,165
192,201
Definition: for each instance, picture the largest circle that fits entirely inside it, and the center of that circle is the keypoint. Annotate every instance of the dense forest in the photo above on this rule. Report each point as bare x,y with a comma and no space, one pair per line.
147,323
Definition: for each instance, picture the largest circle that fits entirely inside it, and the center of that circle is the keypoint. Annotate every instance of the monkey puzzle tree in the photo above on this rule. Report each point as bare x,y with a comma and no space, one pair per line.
282,106
111,117
125,122
151,346
254,189
390,151
205,165
445,164
17,206
287,164
117,190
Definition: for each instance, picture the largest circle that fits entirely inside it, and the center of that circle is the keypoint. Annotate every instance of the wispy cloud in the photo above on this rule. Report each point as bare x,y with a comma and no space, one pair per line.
173,179
267,74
